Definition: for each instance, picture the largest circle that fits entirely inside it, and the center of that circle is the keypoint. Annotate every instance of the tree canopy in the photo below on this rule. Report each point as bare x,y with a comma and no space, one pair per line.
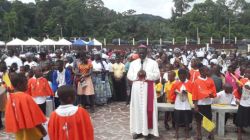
90,18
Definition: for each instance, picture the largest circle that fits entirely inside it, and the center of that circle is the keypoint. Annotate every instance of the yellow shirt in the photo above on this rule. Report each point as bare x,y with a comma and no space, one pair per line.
118,70
158,88
167,89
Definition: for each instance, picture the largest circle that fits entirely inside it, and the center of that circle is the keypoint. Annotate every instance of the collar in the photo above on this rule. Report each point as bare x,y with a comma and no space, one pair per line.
204,79
195,69
61,72
66,110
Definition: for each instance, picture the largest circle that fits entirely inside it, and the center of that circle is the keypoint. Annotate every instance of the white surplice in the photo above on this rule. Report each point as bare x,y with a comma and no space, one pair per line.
138,105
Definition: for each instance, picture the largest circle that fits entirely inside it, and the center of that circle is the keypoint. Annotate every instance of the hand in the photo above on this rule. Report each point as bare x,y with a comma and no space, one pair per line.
141,74
247,87
211,95
184,92
237,101
196,109
177,91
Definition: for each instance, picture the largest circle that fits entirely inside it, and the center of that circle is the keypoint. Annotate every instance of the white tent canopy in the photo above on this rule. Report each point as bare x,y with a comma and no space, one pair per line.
63,42
32,42
2,43
15,42
95,42
48,42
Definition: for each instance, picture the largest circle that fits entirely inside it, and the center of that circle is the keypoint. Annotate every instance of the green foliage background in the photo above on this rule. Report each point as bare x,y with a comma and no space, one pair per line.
89,18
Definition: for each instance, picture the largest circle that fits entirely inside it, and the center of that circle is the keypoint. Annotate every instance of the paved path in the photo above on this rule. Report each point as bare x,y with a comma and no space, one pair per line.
111,122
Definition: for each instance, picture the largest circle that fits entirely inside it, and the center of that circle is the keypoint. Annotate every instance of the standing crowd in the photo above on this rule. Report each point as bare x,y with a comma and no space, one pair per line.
79,81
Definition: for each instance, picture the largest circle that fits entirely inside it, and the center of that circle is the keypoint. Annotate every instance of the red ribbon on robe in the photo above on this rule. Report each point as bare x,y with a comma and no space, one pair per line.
150,105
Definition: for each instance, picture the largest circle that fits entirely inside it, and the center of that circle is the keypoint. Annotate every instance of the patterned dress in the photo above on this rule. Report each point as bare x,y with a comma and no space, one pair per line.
101,83
89,89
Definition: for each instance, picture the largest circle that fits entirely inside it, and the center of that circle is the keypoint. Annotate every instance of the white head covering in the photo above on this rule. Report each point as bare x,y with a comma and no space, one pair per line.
104,56
214,61
200,54
177,50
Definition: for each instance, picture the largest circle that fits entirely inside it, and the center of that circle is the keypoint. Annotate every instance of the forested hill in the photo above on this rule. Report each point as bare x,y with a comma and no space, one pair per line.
89,18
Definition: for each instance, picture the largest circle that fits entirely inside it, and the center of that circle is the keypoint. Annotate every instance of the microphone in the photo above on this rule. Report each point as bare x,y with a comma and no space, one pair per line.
141,64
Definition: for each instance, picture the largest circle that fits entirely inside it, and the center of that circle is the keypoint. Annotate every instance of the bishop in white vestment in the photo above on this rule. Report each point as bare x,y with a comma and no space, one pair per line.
140,120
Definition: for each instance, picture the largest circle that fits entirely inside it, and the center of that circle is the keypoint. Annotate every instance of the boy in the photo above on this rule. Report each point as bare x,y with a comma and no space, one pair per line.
194,71
225,96
39,88
179,94
23,116
167,88
203,91
61,76
69,121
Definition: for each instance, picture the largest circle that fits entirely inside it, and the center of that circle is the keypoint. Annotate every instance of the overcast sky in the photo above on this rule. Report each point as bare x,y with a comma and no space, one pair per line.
155,7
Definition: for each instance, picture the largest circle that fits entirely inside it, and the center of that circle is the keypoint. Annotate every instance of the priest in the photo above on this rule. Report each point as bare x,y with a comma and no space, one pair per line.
143,107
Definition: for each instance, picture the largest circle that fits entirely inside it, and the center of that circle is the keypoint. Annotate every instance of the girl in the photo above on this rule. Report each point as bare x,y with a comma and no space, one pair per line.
179,94
242,118
85,71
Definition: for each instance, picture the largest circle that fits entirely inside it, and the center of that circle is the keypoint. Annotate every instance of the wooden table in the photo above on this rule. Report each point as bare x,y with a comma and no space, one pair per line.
220,111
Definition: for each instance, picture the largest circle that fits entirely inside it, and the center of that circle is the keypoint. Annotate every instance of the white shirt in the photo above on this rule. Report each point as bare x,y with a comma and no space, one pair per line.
165,76
61,78
98,66
245,98
224,98
69,64
110,67
31,64
10,60
40,99
181,101
205,62
183,60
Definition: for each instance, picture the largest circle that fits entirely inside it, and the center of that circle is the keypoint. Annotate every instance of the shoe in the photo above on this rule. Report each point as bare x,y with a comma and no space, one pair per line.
149,137
211,137
1,127
166,126
137,136
92,110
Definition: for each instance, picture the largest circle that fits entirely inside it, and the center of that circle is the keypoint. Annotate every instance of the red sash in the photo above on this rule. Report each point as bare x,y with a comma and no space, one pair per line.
150,105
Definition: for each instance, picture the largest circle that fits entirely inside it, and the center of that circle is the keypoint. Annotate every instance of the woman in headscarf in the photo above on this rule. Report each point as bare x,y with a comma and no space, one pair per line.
85,87
100,80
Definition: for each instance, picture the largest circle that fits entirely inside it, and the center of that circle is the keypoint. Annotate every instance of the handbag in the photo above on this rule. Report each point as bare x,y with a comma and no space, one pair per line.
83,84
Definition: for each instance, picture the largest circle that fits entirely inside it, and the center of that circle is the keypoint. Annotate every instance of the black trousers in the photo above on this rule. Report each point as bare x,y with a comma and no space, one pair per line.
43,108
120,91
85,100
1,123
57,102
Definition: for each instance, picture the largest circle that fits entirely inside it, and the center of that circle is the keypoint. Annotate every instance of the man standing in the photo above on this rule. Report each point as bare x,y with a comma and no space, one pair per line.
13,59
118,69
143,107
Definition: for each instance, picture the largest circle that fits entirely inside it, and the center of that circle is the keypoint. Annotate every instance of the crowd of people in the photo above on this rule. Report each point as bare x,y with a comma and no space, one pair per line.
140,77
